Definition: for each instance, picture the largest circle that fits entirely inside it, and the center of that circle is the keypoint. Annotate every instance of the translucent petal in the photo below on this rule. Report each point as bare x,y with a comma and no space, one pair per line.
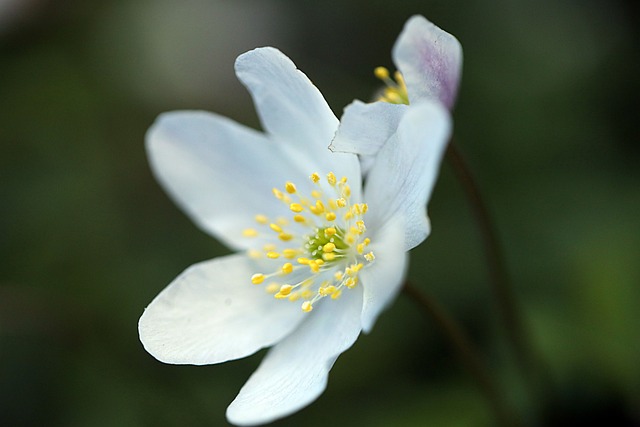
212,313
294,112
430,61
294,373
401,180
219,172
364,128
383,278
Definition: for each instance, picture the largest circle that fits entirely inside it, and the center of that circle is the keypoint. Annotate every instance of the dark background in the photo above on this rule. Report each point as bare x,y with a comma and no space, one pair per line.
547,117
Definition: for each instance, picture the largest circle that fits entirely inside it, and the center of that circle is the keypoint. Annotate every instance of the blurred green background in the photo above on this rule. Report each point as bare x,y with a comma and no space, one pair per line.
547,117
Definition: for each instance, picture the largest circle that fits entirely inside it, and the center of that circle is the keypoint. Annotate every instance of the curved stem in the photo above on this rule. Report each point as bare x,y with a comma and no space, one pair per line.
467,353
501,284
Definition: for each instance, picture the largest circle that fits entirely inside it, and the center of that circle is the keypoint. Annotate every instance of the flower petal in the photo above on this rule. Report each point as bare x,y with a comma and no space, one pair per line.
364,128
430,61
219,172
212,313
294,112
294,373
402,178
383,279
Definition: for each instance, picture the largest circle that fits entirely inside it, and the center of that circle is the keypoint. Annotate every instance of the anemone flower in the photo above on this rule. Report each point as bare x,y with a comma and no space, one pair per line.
429,64
317,254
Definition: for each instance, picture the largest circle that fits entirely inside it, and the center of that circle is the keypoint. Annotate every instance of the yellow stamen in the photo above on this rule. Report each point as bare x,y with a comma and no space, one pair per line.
287,268
272,288
330,231
261,219
329,256
296,207
286,289
273,255
306,306
330,216
290,187
275,227
289,253
331,178
258,278
315,177
249,232
285,237
381,72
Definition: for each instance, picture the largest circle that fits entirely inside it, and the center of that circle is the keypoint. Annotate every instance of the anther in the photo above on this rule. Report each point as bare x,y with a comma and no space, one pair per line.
289,253
275,227
290,187
315,177
329,247
249,232
285,237
258,278
261,219
273,255
381,72
287,268
306,306
331,178
330,216
329,256
286,289
272,288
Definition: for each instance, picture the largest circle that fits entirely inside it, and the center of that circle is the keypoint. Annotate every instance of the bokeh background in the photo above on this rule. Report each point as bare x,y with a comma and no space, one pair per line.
547,118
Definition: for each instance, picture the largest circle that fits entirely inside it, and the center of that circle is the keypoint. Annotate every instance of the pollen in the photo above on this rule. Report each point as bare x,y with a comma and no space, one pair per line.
258,278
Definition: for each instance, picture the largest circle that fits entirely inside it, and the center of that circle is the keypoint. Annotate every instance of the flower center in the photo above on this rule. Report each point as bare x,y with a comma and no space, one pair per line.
323,245
396,91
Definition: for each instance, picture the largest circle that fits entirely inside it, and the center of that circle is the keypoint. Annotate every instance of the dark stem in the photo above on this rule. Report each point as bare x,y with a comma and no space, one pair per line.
467,353
502,287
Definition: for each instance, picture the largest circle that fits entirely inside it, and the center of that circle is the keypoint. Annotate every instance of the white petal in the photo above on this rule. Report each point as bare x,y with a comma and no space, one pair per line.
294,373
430,61
219,172
364,128
212,313
383,279
294,112
402,178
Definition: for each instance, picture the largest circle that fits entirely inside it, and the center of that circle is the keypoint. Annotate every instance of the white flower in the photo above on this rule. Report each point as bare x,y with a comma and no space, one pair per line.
429,63
318,256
